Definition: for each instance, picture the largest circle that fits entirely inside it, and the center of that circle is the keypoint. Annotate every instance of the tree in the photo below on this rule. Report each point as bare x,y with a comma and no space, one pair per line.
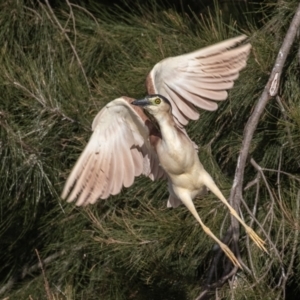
59,66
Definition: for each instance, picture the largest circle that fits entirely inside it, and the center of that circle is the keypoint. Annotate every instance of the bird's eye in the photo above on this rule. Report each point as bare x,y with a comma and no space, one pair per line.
157,101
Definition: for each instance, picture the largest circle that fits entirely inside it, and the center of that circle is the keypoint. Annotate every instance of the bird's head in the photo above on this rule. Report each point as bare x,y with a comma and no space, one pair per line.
154,104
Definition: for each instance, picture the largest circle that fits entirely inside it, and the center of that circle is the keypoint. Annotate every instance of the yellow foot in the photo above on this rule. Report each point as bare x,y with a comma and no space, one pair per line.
230,255
256,239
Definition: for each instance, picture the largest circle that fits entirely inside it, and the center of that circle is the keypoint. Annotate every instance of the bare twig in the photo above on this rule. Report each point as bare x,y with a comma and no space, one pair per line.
34,12
255,181
86,11
267,235
282,172
285,117
69,41
47,288
74,25
299,55
34,268
204,294
217,134
269,265
286,276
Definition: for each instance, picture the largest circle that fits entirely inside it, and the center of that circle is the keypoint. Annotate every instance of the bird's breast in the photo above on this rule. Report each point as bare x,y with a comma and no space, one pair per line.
176,157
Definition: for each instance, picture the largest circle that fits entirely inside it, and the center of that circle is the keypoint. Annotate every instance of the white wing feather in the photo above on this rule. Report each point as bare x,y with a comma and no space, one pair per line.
199,78
118,151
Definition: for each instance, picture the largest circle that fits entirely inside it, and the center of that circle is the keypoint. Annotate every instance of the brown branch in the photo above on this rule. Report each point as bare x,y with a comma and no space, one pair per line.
69,41
295,243
282,172
34,268
74,26
299,55
86,11
47,287
205,294
287,245
285,117
270,90
267,235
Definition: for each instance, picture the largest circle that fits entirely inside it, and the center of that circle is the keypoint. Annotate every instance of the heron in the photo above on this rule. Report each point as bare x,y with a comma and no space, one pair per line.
147,136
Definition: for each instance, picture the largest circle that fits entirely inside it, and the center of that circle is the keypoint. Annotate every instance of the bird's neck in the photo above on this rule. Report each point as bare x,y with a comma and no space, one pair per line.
167,126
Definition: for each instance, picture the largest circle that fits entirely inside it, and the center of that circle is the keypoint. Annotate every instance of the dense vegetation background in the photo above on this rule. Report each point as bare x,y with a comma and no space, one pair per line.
60,62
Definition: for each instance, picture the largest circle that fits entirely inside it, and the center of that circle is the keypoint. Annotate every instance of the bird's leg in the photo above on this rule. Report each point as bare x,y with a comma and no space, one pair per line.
188,202
209,183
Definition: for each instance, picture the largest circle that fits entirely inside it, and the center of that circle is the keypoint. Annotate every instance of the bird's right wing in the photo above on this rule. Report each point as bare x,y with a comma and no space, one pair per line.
120,148
199,78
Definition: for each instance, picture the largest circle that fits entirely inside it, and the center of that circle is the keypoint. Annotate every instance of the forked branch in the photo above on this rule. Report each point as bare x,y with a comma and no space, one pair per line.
270,90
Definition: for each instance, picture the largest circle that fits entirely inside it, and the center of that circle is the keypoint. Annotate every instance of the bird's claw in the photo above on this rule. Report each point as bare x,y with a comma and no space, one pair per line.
230,255
256,239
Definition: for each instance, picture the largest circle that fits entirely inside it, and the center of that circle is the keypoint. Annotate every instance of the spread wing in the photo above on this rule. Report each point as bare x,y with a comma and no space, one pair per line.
120,148
199,78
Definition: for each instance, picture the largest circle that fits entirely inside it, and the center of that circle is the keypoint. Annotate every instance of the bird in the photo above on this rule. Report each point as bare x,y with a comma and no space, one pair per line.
133,137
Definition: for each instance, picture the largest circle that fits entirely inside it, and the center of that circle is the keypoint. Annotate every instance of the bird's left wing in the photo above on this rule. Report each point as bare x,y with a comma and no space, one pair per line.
120,148
199,78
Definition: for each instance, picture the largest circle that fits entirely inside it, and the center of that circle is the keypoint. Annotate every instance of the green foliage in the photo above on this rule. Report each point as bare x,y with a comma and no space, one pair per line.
57,69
